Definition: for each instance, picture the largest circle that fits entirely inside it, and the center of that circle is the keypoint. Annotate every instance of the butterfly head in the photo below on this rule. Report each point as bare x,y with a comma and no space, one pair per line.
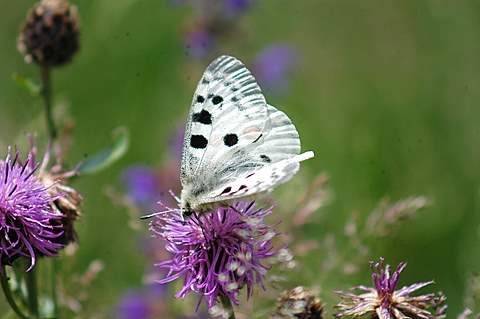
187,211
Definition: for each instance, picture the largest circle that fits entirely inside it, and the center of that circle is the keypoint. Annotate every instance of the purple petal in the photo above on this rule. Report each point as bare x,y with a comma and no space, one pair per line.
409,289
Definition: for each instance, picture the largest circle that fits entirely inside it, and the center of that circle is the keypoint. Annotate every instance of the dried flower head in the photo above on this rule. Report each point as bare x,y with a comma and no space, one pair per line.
385,302
50,34
218,253
27,219
67,200
298,303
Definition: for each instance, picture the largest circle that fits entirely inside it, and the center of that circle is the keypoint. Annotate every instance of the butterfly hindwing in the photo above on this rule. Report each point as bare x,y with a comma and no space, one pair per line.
260,180
274,160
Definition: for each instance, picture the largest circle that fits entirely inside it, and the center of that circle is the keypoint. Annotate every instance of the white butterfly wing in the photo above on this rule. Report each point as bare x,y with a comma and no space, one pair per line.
235,144
261,180
228,113
278,150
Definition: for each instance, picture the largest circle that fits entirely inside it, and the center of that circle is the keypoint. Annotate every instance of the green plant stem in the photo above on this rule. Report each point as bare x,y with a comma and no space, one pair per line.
227,304
31,281
8,294
47,98
53,283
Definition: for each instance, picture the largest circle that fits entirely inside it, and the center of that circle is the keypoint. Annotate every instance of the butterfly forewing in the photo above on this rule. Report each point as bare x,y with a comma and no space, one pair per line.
228,113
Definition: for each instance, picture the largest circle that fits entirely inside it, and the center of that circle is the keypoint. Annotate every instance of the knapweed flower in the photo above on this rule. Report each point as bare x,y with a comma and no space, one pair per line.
50,34
298,303
383,301
273,66
217,253
28,223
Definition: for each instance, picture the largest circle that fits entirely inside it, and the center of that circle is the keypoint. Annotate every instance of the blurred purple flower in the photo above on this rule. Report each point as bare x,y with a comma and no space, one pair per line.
27,219
198,43
134,306
144,303
217,253
385,302
234,8
142,185
273,65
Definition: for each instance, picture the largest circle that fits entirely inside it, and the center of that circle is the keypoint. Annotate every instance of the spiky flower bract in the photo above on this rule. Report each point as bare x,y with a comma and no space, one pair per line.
27,220
217,253
383,301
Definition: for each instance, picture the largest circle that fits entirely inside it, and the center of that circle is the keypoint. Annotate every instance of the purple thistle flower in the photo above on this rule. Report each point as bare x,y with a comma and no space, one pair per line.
29,226
273,65
218,253
385,302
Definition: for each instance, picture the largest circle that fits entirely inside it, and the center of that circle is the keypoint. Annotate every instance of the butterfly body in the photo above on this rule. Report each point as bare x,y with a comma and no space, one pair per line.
236,145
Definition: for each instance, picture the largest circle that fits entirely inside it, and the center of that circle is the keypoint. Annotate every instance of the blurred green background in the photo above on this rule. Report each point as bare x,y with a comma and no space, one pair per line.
386,93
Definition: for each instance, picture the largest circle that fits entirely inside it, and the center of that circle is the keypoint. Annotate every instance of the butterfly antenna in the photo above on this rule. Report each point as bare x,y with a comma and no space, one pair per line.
174,196
157,213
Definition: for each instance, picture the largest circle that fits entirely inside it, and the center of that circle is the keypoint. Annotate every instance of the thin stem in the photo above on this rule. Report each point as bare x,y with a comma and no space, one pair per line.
53,283
8,294
31,281
47,98
227,304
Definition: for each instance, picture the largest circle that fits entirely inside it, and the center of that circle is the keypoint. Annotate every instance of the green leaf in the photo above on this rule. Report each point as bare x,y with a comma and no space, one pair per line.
28,84
105,158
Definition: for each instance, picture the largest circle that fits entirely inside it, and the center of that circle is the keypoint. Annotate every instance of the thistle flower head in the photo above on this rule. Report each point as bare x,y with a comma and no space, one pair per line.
27,220
218,253
384,301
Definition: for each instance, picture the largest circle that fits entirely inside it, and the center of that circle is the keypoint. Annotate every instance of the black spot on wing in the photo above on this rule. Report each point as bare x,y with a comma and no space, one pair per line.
265,158
198,141
226,190
203,117
200,99
230,139
217,99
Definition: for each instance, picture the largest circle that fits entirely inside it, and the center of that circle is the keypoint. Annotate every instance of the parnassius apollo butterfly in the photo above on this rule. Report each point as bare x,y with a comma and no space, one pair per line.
236,145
